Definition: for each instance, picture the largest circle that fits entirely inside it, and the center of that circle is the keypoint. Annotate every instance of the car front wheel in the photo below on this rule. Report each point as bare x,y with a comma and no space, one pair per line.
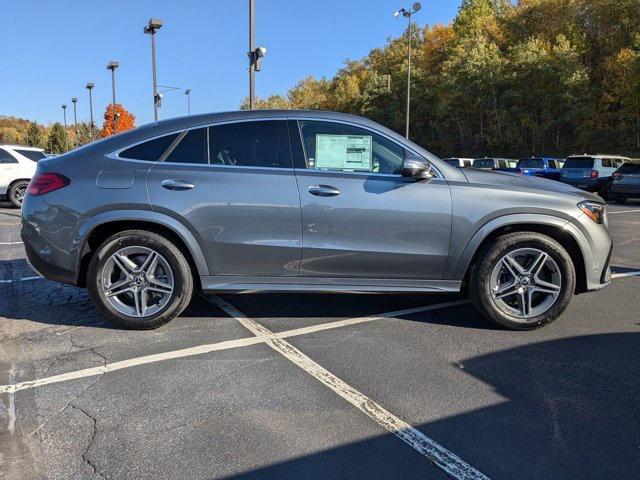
139,280
522,281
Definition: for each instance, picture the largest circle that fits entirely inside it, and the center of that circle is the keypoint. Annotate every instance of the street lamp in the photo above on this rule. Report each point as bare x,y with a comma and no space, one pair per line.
255,56
74,100
187,92
64,111
112,65
407,14
154,25
91,124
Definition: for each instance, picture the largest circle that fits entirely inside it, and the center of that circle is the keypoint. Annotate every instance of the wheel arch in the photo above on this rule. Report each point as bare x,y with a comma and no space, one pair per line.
104,225
563,231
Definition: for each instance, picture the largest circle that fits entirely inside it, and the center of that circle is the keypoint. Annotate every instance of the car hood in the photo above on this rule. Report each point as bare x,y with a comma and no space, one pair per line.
520,182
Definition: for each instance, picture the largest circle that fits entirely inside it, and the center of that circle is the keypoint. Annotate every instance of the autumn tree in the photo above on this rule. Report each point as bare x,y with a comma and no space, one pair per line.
116,120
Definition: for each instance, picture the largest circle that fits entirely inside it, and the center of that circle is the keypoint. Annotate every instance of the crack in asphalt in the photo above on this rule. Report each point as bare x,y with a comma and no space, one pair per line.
85,454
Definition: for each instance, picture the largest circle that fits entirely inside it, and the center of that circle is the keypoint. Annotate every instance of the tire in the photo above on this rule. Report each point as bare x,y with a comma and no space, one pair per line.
106,272
557,268
619,199
16,192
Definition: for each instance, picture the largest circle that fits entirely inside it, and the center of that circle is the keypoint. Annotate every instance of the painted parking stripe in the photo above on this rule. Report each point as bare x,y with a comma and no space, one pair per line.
447,461
24,279
626,274
213,347
10,243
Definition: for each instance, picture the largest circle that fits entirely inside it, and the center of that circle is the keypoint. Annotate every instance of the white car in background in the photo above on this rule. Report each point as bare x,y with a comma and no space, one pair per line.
17,166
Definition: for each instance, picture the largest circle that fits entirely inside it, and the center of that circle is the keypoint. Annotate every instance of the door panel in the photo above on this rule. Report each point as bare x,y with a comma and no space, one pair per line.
246,218
379,226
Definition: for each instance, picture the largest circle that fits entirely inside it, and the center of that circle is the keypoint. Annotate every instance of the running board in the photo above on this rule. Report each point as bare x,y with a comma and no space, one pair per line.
241,283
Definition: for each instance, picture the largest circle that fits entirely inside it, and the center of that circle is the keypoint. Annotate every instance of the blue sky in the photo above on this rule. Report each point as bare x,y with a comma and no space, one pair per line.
49,50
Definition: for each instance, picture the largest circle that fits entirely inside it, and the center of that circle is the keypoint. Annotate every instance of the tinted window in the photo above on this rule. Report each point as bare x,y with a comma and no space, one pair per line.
34,155
5,157
151,150
467,163
453,161
531,163
191,149
250,144
484,163
553,164
578,162
339,147
630,168
607,163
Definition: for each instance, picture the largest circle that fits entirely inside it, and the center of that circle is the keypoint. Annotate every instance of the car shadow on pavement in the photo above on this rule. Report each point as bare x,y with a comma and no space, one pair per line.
570,410
615,269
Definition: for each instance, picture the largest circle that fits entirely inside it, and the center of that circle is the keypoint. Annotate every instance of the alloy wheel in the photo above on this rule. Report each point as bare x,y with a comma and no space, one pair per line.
137,281
525,283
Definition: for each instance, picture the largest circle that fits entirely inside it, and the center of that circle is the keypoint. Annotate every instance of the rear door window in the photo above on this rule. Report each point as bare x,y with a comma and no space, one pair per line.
250,144
33,155
152,150
578,162
6,157
191,149
633,168
607,163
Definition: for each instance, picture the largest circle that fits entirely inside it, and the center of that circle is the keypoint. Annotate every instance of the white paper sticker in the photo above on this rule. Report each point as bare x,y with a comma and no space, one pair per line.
344,152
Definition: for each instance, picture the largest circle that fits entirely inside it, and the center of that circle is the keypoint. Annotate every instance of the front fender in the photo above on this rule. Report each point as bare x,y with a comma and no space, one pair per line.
152,217
457,269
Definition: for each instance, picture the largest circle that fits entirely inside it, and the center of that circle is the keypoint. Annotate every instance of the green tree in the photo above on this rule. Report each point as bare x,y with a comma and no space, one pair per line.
34,135
58,141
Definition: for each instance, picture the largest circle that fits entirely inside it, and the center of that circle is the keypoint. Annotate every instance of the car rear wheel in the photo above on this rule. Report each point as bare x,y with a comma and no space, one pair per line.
139,280
17,191
522,281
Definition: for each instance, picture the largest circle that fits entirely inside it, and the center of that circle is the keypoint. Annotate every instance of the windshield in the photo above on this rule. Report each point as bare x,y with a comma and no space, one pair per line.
531,163
34,155
483,163
578,162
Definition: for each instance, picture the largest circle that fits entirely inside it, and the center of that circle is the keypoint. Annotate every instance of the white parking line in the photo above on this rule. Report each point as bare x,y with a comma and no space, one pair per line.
24,279
626,274
10,243
613,212
447,461
213,347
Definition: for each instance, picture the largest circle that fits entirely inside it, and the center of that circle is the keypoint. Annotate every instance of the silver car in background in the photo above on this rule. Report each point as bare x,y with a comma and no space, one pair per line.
304,201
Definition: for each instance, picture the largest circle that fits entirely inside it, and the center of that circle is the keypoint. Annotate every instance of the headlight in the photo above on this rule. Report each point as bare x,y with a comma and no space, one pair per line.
594,210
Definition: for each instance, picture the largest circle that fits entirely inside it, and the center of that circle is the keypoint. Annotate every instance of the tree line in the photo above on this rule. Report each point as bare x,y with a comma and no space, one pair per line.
537,77
55,138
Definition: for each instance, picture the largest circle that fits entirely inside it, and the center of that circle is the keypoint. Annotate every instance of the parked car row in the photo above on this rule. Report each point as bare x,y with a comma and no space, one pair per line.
611,176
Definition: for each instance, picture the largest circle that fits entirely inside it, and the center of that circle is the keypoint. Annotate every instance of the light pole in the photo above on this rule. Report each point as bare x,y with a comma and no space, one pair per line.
255,56
112,65
154,25
407,14
187,92
91,124
74,100
64,111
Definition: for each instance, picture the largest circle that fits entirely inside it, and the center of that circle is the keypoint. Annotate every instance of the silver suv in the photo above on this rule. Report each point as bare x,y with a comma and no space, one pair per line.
304,201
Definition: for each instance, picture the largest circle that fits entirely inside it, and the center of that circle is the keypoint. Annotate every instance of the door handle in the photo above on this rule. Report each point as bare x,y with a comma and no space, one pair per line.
171,184
323,190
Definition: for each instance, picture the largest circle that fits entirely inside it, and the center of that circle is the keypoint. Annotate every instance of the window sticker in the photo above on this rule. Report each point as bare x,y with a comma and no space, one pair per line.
344,152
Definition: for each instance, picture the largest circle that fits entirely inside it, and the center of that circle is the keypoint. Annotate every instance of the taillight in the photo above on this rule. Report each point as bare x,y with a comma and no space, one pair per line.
46,182
617,175
594,173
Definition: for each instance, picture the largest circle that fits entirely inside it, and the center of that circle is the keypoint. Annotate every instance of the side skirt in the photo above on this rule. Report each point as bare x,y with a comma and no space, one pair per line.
231,283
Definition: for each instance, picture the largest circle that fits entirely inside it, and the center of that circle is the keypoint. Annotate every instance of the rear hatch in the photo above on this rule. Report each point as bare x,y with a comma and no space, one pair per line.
577,169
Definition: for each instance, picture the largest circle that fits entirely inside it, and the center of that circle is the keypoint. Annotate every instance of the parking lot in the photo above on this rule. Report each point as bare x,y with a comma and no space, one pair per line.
318,386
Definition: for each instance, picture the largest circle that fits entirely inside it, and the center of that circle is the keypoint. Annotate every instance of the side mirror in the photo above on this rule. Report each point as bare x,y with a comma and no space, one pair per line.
417,167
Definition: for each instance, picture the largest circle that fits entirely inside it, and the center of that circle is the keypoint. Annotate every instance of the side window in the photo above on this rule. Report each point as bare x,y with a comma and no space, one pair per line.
467,163
6,157
151,150
191,149
552,164
339,147
250,144
606,163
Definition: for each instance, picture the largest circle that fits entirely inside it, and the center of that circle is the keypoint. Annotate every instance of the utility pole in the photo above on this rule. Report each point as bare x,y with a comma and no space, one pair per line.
407,14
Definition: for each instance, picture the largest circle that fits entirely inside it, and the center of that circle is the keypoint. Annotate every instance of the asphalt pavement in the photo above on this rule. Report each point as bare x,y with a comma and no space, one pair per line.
318,386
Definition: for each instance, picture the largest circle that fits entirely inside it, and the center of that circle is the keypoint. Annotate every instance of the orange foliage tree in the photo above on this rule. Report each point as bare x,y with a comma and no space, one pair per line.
124,120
